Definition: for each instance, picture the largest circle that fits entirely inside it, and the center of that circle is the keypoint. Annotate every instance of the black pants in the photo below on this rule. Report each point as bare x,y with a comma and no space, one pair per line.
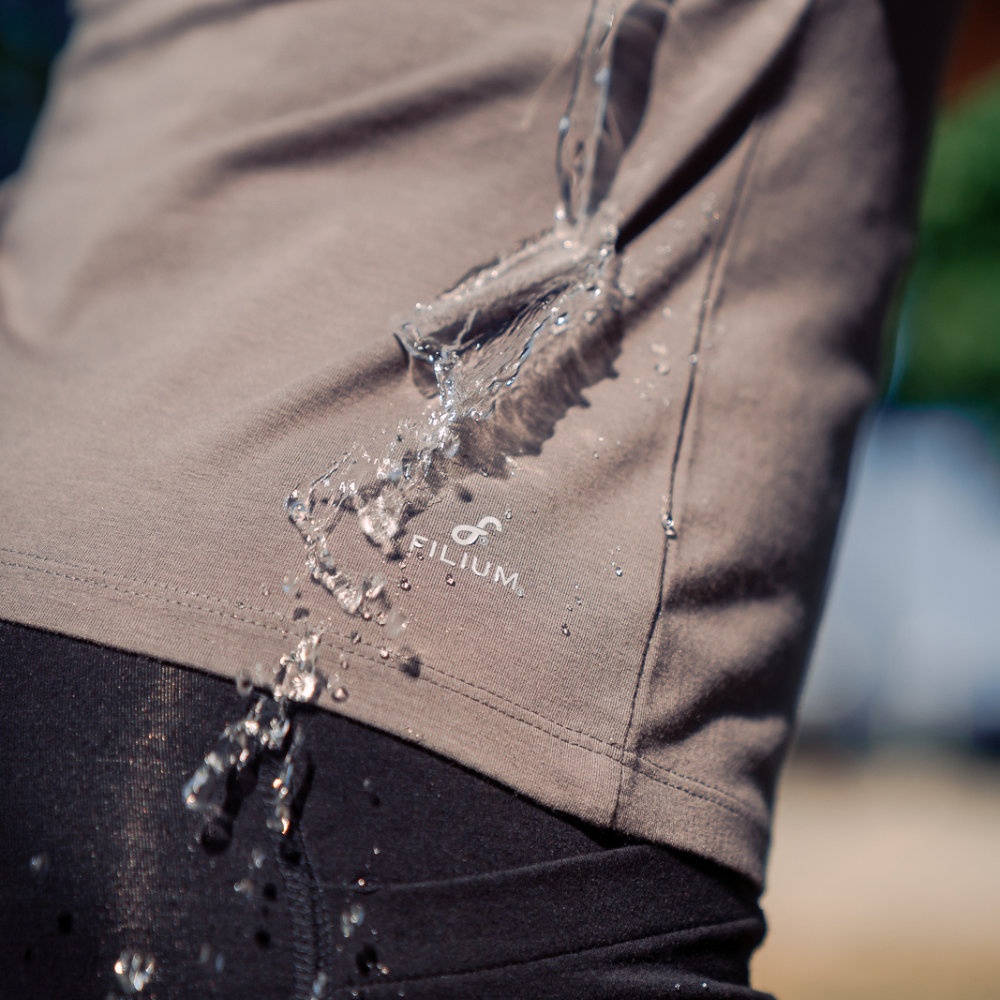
406,875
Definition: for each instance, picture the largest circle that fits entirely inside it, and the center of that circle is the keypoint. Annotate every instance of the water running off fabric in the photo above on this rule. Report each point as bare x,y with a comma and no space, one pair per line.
501,357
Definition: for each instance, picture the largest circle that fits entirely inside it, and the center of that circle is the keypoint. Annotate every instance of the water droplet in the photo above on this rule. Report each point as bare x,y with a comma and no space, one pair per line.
245,887
351,919
39,863
340,694
376,850
367,615
257,858
265,590
395,622
520,592
220,964
384,653
303,686
693,358
404,584
319,985
596,455
561,319
134,970
668,526
450,580
355,638
244,685
565,629
205,955
618,571
661,368
291,585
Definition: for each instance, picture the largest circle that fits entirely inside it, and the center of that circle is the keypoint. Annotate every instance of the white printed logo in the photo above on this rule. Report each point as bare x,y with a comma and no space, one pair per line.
466,535
469,534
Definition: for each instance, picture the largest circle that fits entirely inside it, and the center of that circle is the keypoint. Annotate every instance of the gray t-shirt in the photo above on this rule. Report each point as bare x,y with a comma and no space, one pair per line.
601,593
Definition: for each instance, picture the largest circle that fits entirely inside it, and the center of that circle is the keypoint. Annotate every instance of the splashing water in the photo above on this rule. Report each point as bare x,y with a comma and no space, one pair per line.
481,350
501,357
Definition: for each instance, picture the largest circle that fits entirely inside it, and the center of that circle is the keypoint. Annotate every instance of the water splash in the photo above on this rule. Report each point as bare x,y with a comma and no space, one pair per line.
500,357
485,351
263,729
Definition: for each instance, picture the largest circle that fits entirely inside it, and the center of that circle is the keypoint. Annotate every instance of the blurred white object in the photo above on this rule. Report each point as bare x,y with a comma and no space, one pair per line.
910,640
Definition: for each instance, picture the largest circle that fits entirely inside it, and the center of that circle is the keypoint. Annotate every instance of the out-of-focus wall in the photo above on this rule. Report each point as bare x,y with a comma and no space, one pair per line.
911,638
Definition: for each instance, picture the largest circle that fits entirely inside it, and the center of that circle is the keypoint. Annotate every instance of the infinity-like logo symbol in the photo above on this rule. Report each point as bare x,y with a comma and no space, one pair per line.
467,534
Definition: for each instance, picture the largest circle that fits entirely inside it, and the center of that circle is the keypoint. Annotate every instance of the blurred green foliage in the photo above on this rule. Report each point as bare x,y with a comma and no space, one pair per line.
950,323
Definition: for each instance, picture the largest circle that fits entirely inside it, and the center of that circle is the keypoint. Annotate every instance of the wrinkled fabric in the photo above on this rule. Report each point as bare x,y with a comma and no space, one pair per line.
225,204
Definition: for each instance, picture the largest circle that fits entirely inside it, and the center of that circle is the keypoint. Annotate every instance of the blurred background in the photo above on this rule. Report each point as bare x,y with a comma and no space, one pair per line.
885,867
885,872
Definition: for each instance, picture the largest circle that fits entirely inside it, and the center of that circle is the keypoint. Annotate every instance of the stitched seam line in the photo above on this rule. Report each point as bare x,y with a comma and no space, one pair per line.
707,305
139,593
138,583
612,753
373,661
716,269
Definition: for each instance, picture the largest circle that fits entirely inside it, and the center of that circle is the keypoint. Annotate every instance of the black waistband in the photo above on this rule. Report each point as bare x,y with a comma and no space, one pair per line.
407,872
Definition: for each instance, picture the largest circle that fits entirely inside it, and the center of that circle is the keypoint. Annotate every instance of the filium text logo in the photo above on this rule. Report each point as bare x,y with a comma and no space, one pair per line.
465,535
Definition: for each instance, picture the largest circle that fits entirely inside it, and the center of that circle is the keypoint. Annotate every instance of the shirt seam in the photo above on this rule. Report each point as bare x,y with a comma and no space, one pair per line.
713,290
603,749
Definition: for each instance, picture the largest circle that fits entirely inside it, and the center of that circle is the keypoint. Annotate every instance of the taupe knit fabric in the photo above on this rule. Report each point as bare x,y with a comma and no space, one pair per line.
225,204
